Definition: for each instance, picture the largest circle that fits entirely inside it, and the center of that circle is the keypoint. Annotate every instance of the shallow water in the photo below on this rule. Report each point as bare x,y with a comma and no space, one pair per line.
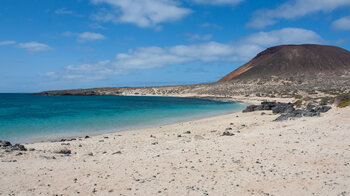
26,117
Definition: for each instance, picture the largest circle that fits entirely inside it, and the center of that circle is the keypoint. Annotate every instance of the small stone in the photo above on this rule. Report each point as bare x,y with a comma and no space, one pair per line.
226,133
198,137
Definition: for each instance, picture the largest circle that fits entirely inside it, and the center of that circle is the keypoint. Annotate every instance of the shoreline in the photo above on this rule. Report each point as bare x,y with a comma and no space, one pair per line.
131,128
115,131
303,156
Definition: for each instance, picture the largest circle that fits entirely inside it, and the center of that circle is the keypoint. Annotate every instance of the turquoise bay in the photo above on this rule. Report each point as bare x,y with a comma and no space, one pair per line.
26,117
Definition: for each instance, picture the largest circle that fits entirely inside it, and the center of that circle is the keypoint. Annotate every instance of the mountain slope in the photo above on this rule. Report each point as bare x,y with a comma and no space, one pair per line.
294,61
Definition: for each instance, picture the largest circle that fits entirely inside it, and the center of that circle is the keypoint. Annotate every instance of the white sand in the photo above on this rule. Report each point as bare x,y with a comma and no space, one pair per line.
306,156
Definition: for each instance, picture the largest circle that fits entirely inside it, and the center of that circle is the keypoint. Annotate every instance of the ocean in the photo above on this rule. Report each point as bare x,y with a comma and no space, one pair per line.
28,118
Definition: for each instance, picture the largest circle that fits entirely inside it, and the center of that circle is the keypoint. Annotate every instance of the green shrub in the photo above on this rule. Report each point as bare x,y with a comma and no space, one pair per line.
326,100
298,102
298,96
343,100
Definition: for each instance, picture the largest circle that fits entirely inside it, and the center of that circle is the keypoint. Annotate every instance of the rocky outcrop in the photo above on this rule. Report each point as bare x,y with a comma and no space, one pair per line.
7,146
288,110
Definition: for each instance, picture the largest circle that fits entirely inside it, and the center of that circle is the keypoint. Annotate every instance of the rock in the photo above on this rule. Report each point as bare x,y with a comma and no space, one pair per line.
309,107
63,151
187,132
5,143
311,113
179,136
198,137
287,110
228,129
87,137
323,109
9,147
226,133
282,117
19,147
118,152
282,108
250,108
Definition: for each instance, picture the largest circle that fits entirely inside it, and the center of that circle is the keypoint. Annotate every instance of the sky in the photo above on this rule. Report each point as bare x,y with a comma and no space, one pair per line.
69,44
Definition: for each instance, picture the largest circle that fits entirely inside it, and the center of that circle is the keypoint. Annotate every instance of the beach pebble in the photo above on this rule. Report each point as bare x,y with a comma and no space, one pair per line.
198,137
227,133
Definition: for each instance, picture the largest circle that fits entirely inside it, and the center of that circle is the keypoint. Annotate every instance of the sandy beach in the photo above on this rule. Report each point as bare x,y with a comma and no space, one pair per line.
305,156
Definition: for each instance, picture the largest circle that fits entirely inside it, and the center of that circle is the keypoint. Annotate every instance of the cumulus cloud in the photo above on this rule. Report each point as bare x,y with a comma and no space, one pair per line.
143,13
342,23
90,36
7,42
156,57
195,37
34,46
217,2
85,36
293,9
283,36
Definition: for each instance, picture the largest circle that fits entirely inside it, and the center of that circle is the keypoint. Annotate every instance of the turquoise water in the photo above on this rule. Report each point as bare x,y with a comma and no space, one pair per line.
26,117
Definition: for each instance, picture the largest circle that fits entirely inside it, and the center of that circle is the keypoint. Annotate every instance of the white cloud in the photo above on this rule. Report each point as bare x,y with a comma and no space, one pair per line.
63,11
143,13
90,36
215,26
156,57
342,23
195,37
48,74
8,42
218,2
293,9
34,46
283,36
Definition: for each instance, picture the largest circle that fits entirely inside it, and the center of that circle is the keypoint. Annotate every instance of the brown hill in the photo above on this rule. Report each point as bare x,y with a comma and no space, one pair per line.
294,61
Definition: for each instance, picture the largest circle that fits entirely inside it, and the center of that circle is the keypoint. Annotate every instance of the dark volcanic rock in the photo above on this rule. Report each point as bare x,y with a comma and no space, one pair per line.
5,143
287,110
9,147
227,133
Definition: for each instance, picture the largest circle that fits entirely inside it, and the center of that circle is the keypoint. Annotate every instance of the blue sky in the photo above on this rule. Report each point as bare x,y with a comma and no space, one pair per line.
66,44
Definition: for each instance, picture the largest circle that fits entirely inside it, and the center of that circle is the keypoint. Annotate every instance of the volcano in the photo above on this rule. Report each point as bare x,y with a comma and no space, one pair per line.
294,61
